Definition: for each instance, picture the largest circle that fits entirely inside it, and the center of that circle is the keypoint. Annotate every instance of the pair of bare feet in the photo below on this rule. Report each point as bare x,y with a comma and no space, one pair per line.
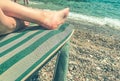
52,19
12,15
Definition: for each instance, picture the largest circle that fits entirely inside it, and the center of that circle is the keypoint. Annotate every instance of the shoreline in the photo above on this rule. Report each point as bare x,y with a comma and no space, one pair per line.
109,22
108,31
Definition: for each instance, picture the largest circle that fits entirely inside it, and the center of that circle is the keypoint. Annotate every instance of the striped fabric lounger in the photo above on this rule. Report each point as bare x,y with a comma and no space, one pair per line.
24,52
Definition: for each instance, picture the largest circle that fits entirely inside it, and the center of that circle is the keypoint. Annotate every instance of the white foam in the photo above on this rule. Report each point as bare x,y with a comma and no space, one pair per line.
114,23
36,2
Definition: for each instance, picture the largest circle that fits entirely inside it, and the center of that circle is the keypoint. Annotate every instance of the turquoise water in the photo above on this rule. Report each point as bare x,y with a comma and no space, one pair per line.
101,12
99,8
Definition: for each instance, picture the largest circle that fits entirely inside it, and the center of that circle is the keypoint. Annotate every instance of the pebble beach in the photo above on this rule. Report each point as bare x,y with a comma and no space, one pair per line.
94,54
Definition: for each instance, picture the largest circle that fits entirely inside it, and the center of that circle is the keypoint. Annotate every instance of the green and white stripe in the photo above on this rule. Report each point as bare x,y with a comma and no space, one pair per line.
22,55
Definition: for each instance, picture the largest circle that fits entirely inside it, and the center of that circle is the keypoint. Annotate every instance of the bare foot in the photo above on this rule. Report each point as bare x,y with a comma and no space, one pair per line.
54,18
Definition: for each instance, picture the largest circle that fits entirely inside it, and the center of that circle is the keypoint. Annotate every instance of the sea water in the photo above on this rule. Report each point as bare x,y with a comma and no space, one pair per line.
101,12
98,12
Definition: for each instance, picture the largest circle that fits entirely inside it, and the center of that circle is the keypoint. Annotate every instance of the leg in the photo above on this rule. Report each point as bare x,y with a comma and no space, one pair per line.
24,2
48,19
27,1
15,0
8,24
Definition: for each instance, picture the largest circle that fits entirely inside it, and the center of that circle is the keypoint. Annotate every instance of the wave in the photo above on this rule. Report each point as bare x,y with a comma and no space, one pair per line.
104,1
114,23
